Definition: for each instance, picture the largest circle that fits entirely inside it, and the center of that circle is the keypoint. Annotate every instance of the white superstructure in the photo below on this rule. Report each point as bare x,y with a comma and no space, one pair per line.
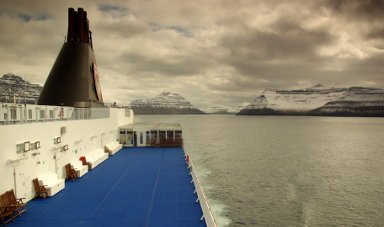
38,140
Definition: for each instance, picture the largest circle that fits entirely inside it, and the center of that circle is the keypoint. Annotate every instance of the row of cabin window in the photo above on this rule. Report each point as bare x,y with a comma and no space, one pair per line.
154,134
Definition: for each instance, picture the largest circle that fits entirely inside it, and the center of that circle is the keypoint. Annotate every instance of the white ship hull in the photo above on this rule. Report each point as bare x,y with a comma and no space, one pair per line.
22,159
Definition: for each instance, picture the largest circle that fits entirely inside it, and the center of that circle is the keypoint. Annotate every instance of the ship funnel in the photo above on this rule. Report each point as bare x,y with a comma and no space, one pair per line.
74,80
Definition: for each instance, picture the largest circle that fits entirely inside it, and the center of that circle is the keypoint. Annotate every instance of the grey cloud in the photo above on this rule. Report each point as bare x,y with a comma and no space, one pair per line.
369,69
113,9
287,50
369,13
27,18
181,30
287,40
357,9
376,33
211,52
123,29
170,66
239,84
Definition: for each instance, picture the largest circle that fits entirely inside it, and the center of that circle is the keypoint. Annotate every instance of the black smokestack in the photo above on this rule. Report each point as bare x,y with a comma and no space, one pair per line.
74,80
78,26
71,25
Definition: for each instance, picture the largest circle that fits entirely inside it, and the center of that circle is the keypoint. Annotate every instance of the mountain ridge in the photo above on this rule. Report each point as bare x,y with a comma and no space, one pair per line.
318,100
14,88
164,103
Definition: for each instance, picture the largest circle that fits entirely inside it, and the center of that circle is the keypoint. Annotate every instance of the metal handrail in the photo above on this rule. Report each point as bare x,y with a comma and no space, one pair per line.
25,113
207,212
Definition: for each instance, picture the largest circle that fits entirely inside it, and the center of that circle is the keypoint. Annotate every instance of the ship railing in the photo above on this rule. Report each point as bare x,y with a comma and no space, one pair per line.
22,114
207,212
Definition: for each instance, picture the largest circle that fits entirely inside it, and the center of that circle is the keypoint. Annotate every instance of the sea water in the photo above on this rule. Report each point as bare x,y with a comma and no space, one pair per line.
287,170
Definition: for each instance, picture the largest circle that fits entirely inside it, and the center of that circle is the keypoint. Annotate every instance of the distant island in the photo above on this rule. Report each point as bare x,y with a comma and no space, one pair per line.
217,109
319,101
164,103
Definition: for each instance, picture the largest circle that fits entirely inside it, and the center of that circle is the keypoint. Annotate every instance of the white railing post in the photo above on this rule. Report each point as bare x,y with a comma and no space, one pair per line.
19,114
207,212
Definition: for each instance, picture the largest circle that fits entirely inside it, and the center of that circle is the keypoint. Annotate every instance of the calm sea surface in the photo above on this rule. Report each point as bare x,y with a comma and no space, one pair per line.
287,171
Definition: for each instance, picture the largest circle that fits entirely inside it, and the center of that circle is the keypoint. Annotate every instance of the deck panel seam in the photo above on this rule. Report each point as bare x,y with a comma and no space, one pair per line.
113,188
154,190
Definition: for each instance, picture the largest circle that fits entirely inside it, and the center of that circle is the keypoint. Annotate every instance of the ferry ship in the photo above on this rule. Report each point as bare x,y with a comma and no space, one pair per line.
71,160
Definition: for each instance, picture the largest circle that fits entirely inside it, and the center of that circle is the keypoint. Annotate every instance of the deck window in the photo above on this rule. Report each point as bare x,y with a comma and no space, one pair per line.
169,134
162,134
147,137
13,113
29,114
178,134
42,114
153,134
126,137
129,137
122,136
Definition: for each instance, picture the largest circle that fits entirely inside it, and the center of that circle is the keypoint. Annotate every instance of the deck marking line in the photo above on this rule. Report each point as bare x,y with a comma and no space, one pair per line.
113,188
154,191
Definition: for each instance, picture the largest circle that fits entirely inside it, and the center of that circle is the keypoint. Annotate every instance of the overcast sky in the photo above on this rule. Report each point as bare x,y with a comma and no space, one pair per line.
221,53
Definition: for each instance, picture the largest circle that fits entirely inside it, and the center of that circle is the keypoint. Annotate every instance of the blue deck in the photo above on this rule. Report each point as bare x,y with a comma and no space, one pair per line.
135,187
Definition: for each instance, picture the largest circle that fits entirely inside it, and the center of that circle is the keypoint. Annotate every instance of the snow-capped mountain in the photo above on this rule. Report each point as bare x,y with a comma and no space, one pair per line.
319,100
165,103
14,89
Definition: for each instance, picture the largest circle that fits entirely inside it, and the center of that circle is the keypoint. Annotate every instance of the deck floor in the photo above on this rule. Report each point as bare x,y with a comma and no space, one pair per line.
135,187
